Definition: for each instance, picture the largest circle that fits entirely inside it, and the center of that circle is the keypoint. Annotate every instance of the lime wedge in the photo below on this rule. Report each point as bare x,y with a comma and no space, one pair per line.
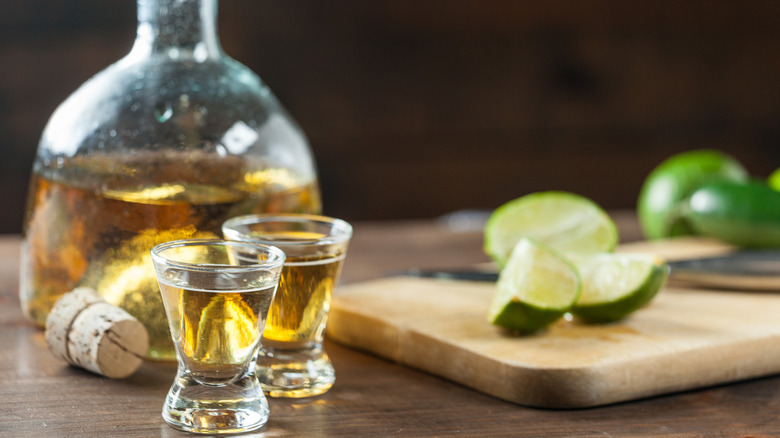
615,285
536,287
567,222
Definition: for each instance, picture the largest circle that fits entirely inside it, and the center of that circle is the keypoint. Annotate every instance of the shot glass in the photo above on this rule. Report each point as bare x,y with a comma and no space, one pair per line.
216,296
292,362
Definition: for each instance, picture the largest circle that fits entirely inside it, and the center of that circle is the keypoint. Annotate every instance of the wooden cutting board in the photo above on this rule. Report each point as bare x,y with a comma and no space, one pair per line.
686,338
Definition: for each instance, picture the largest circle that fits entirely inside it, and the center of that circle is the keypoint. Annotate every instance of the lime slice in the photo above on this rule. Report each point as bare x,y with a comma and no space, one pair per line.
567,222
614,285
536,287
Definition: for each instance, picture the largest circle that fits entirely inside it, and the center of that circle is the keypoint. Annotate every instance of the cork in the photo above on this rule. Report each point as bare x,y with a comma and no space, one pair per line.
86,331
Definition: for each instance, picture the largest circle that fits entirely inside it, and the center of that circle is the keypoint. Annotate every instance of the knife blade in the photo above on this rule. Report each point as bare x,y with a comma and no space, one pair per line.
757,270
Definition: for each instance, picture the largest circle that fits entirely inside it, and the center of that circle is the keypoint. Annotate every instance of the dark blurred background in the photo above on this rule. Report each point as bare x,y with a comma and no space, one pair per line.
419,108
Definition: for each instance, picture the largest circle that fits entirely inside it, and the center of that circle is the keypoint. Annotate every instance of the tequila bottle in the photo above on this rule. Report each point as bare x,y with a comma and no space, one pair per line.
165,144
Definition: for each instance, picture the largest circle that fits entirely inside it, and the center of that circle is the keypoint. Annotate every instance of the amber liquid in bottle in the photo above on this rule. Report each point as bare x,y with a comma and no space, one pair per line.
96,221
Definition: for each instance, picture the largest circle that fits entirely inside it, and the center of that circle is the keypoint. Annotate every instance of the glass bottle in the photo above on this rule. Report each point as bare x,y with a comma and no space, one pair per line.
166,143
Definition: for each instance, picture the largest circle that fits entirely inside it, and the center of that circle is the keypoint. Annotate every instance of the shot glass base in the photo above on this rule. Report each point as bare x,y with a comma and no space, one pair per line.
295,373
236,407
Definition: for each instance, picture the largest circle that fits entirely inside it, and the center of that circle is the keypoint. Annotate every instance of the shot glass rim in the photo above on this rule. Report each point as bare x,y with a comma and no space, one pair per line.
343,228
277,259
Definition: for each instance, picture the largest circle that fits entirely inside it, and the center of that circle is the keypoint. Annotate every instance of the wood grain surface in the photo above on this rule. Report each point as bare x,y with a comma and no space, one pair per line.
42,397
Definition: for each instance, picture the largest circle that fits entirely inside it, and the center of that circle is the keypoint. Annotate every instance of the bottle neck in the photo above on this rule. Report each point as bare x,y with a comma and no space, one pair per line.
179,29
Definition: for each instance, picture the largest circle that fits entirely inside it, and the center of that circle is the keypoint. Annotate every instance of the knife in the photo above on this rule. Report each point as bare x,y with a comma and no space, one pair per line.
757,270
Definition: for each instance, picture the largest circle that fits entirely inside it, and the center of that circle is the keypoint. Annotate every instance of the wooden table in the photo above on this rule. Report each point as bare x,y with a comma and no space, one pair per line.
41,396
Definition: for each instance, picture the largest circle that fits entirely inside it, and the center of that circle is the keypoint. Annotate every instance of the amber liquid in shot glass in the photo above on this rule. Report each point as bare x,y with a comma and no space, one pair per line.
216,296
292,362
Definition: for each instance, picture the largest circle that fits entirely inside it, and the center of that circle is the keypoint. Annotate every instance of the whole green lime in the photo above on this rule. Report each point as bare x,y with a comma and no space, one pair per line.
667,187
774,180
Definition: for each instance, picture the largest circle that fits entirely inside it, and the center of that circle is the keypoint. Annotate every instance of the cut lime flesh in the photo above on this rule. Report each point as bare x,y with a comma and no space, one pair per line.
615,285
536,287
567,222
